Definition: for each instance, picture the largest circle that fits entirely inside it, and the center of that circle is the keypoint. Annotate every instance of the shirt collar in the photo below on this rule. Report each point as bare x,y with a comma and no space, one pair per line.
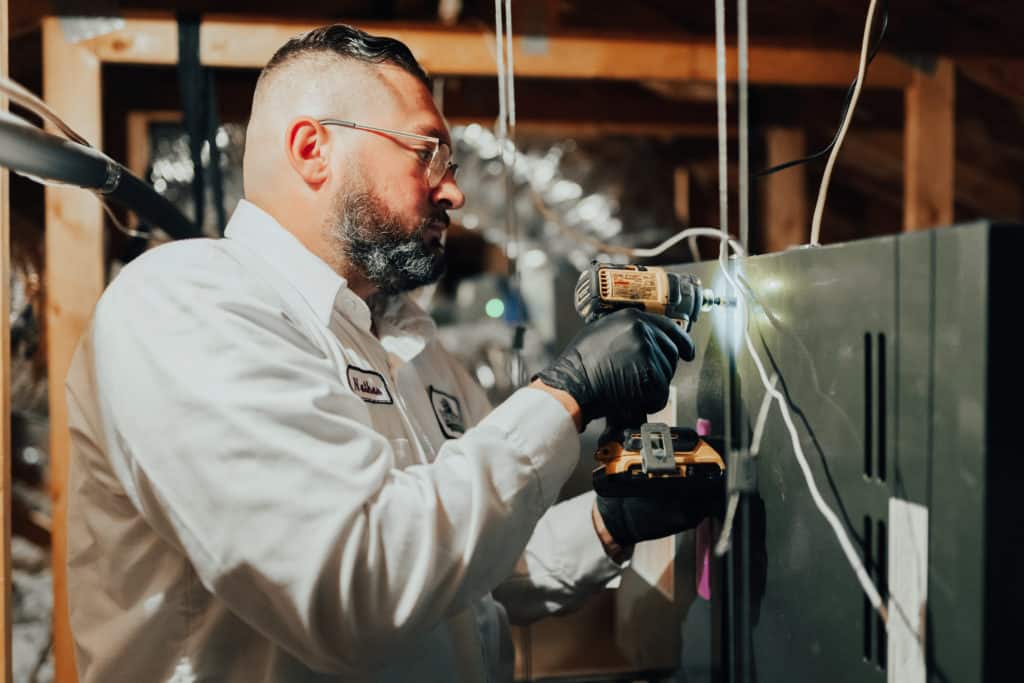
404,329
317,282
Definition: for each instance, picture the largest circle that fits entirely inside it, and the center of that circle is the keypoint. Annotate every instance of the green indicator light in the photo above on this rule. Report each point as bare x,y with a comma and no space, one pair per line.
495,308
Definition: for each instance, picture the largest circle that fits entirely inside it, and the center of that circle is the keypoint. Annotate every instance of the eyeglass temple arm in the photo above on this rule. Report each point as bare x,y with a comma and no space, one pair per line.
352,124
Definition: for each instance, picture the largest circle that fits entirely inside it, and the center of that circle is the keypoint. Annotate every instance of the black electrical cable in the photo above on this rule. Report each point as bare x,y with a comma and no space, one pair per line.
846,106
28,150
137,195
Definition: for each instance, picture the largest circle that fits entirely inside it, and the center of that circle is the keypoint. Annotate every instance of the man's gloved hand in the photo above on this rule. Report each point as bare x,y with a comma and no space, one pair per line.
633,519
620,365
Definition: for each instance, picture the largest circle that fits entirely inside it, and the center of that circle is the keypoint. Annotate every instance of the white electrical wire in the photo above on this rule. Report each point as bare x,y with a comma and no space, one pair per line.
725,537
25,98
762,419
689,232
138,234
510,81
744,143
722,546
499,38
694,249
723,153
819,207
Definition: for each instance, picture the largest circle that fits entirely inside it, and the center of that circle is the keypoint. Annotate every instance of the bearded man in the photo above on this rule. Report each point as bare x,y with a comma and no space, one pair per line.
278,473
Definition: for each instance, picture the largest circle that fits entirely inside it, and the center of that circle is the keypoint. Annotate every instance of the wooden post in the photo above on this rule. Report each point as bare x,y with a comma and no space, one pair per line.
929,153
786,220
74,281
681,194
681,205
5,386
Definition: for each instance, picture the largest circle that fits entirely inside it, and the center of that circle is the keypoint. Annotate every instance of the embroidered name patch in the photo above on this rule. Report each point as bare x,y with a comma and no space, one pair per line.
448,413
369,385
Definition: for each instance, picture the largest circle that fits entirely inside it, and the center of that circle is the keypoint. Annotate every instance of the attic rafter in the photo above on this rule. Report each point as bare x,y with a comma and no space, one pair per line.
459,51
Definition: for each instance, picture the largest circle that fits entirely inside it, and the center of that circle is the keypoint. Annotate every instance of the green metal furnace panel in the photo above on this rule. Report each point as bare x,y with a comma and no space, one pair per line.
887,353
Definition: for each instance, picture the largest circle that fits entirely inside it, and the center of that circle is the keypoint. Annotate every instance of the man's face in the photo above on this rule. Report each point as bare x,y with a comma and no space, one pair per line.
385,220
394,253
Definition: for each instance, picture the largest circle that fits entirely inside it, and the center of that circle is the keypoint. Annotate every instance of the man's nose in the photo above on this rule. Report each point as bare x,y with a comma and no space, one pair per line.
448,194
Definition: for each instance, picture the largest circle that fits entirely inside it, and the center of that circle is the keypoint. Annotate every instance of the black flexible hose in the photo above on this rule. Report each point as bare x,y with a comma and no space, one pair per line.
26,149
139,196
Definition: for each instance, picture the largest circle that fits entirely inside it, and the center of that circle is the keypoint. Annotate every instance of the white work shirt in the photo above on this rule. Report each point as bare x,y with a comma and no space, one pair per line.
270,483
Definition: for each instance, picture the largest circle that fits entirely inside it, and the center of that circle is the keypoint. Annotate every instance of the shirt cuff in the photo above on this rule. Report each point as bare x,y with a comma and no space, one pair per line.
585,561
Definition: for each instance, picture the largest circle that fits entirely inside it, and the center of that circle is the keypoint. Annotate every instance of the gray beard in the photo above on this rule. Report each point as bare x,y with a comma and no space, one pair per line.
373,242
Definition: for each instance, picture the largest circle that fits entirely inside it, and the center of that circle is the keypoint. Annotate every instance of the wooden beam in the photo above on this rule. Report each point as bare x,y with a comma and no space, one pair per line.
5,385
74,281
929,151
1002,76
786,221
444,51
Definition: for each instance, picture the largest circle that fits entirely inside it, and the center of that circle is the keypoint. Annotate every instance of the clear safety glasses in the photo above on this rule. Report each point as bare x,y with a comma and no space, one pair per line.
438,157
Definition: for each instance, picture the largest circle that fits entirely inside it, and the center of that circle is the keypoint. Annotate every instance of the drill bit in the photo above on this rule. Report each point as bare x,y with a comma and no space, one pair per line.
709,300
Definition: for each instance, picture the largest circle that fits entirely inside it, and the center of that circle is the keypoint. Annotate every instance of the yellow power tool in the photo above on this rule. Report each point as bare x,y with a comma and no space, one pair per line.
652,459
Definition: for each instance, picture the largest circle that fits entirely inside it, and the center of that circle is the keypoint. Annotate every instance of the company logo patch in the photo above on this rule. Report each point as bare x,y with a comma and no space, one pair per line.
369,385
448,413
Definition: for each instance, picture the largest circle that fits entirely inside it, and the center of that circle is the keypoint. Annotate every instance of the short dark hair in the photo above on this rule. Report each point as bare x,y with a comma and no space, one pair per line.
349,42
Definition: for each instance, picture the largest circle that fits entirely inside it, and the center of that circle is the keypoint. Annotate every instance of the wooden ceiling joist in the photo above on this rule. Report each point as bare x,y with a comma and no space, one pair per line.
448,51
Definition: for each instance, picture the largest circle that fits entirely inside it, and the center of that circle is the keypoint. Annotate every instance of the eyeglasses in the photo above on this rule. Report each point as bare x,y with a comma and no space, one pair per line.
438,164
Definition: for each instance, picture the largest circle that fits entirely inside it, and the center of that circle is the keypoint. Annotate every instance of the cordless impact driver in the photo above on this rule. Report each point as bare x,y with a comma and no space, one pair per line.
650,459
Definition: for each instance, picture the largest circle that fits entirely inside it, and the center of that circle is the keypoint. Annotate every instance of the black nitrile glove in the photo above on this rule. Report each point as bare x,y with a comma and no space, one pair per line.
633,519
620,366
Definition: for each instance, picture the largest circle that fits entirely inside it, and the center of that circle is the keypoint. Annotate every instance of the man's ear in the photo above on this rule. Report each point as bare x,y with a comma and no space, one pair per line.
304,148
